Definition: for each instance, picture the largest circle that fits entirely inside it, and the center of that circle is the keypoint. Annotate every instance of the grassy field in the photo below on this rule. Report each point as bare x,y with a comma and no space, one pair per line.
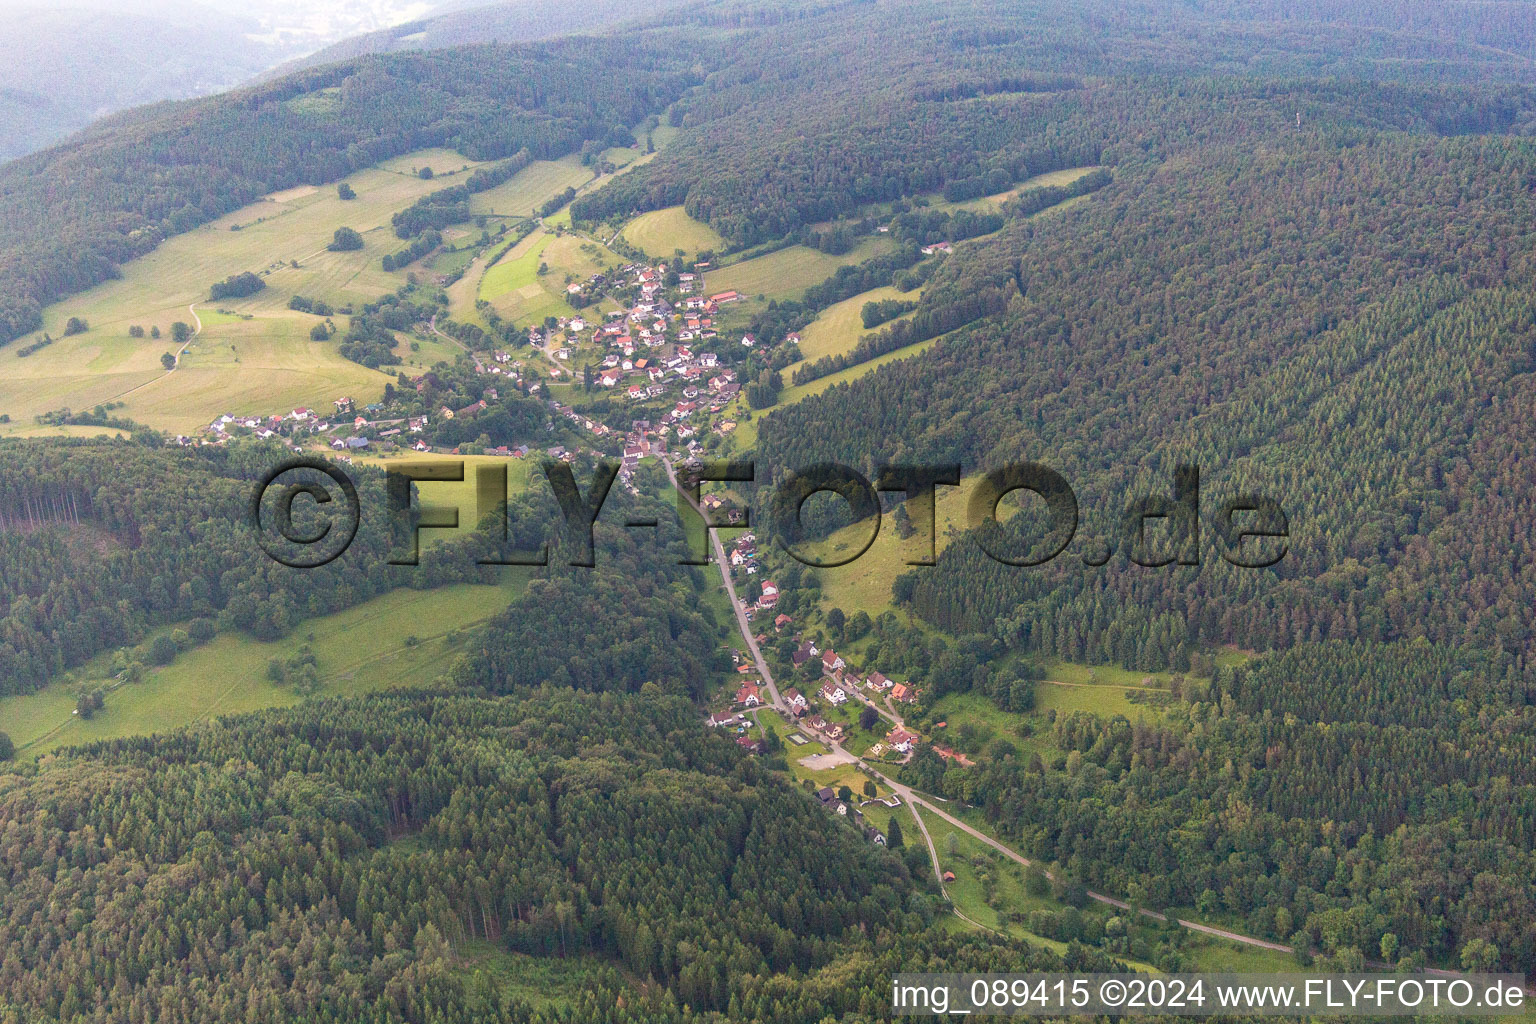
787,273
361,649
517,269
748,420
553,983
442,161
995,202
987,882
263,364
515,288
840,326
660,233
523,193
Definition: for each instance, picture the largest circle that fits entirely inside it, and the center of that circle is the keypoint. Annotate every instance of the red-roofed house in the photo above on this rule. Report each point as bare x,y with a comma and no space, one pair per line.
830,662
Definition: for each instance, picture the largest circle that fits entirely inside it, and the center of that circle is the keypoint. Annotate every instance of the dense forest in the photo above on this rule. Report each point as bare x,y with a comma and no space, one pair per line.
321,863
963,98
1380,396
97,549
1332,797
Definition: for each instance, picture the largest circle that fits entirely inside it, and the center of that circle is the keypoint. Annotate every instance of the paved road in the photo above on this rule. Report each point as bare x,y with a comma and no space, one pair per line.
914,801
742,622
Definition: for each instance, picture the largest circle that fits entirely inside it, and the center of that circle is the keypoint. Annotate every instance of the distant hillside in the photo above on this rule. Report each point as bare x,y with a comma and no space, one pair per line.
515,21
60,69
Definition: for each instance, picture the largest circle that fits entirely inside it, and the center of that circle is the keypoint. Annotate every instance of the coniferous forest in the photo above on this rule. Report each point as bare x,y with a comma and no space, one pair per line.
1299,258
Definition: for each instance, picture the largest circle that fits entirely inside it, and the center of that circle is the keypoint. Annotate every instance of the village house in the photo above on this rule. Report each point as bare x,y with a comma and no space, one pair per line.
901,740
878,682
748,694
903,693
830,662
724,718
796,700
833,692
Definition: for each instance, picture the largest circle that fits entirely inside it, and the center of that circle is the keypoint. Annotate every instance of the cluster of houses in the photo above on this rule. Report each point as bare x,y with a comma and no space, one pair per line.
740,725
829,799
656,348
840,685
346,429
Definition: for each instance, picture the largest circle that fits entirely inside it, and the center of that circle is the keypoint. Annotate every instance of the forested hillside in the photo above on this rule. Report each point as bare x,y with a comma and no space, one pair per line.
102,541
98,547
1339,326
321,863
839,110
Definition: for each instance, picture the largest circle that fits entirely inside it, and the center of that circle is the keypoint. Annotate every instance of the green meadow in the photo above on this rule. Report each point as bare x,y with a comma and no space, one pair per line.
661,233
838,328
517,290
523,193
787,273
402,638
994,202
459,495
